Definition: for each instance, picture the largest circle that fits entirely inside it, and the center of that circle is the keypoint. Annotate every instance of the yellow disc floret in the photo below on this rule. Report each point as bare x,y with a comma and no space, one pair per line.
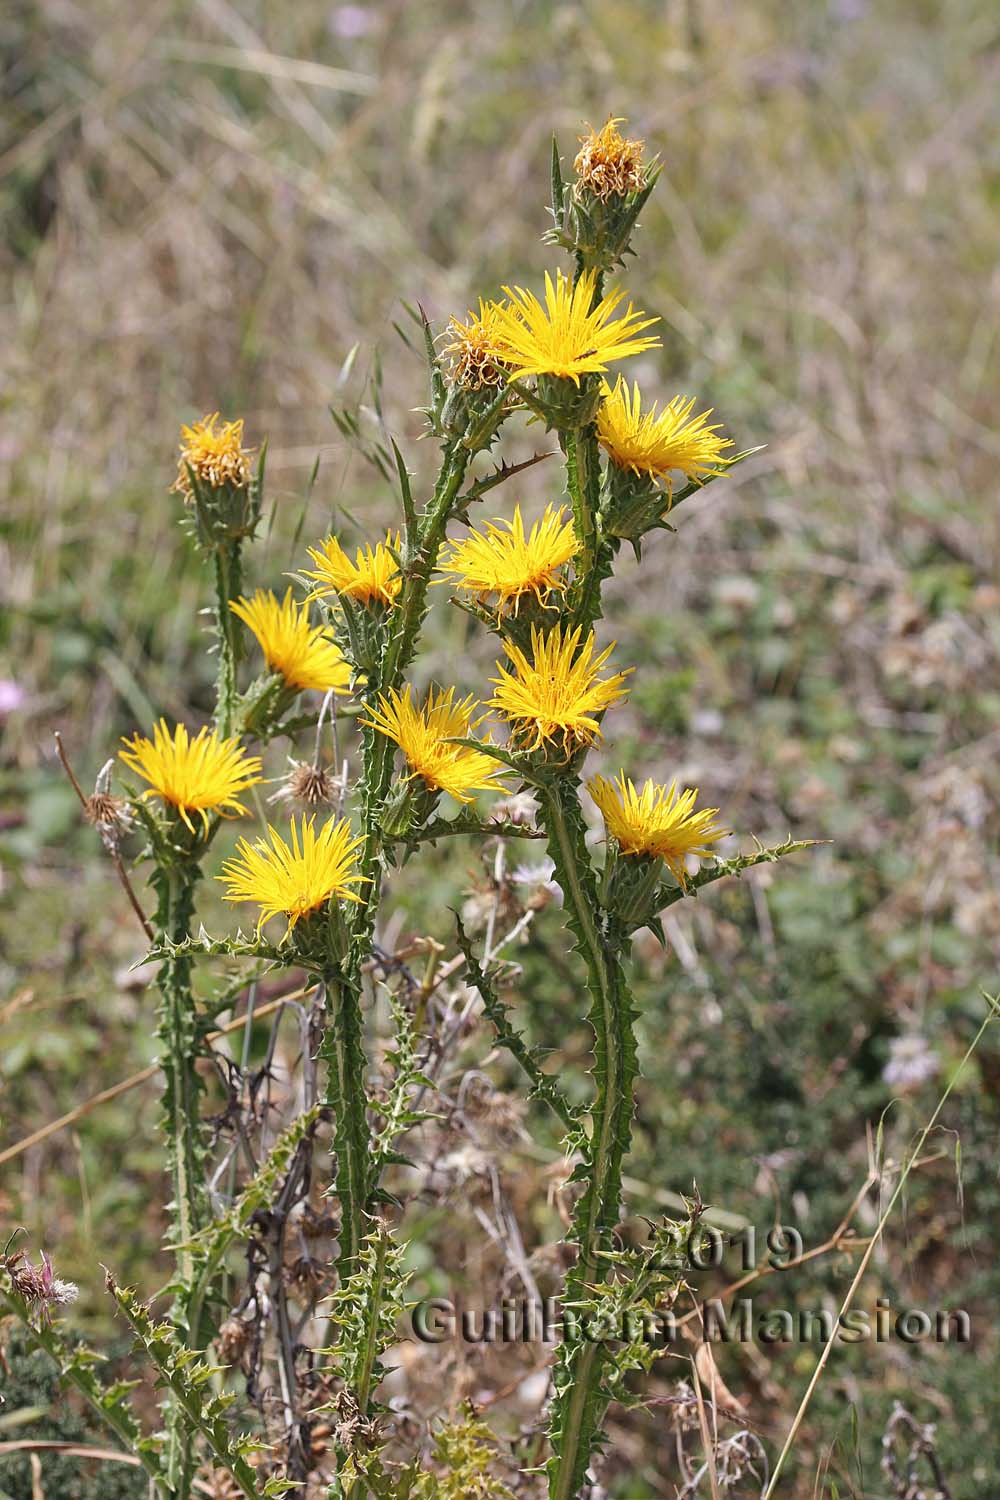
294,879
555,692
568,337
423,734
656,445
373,576
657,821
304,654
504,563
200,775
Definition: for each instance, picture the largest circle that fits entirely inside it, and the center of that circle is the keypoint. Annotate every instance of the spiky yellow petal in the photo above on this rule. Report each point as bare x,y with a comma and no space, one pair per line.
215,454
374,574
473,349
555,692
504,563
566,337
304,654
657,821
422,735
608,165
297,878
199,775
657,444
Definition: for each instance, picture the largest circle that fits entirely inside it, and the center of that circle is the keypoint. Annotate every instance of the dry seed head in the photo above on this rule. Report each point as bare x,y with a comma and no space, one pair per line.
216,456
608,165
312,786
475,364
111,816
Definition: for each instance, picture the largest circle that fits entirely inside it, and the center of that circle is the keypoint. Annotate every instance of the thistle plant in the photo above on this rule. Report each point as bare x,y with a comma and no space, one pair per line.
425,762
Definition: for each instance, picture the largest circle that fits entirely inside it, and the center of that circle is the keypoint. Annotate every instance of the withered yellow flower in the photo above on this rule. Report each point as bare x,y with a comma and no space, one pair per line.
567,337
374,574
473,346
213,450
654,444
657,821
199,775
304,654
504,563
297,878
423,734
608,165
555,693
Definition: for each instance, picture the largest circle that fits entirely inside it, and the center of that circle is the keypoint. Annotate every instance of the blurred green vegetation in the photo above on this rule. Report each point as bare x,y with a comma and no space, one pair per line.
207,207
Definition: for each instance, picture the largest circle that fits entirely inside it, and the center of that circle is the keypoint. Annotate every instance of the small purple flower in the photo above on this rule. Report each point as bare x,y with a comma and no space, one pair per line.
351,21
911,1062
12,696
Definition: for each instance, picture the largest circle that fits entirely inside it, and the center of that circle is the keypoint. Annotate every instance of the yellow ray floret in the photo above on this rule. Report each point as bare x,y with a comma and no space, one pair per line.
555,693
214,451
503,563
304,654
473,349
199,775
566,337
608,165
422,735
374,574
656,444
297,878
658,821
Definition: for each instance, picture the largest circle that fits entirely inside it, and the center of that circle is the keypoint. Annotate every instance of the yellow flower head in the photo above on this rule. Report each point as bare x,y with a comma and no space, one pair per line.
556,693
422,735
199,775
473,347
652,444
215,455
566,337
374,574
304,654
505,563
607,165
298,878
657,821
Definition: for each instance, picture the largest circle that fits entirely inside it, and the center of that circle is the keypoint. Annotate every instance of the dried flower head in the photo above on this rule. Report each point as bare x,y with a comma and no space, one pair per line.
213,451
304,654
608,165
373,576
657,821
423,735
38,1285
569,336
199,775
298,878
473,349
503,564
655,445
310,784
111,816
555,693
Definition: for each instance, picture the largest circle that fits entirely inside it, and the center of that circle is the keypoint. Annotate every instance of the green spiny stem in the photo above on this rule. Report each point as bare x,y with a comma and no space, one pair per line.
179,1041
228,583
579,1407
178,1036
591,566
343,1051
